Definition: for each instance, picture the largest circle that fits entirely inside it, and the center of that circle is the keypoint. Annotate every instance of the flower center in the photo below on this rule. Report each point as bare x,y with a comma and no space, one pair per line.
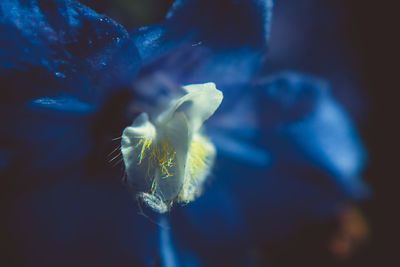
168,159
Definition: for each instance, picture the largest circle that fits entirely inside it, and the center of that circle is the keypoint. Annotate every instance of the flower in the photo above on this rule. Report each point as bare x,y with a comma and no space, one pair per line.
171,158
73,80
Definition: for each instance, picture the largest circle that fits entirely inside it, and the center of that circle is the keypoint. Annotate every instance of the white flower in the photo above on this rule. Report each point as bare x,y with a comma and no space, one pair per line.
168,159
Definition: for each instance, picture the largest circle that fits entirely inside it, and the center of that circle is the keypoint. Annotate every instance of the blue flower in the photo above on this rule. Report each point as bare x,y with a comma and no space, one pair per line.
287,154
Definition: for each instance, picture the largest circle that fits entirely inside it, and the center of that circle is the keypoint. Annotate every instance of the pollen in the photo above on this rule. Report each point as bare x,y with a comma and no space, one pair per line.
197,157
163,156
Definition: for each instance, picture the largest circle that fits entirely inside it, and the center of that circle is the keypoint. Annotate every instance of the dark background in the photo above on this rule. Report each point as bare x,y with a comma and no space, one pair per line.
372,30
361,44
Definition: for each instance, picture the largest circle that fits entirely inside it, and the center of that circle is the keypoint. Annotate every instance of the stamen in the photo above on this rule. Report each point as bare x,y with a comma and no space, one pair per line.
161,156
164,156
145,143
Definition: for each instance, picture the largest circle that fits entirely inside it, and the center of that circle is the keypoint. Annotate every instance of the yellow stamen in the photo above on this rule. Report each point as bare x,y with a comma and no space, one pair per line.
145,143
160,156
119,154
164,156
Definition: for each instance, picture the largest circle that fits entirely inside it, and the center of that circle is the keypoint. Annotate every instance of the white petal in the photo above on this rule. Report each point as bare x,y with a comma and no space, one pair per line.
199,162
205,98
175,135
200,102
135,145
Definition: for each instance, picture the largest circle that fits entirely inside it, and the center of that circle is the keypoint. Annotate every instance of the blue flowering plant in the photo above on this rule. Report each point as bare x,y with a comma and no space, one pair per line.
193,119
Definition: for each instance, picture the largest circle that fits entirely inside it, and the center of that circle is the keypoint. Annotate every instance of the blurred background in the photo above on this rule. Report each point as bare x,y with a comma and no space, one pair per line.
347,43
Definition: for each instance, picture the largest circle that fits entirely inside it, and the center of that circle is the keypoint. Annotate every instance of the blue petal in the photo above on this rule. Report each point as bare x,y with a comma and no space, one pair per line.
226,24
68,104
202,41
302,110
61,69
239,150
59,63
50,47
234,127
